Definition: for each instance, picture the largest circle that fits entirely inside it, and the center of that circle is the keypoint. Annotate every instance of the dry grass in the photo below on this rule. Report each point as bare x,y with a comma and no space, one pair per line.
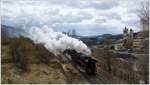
39,73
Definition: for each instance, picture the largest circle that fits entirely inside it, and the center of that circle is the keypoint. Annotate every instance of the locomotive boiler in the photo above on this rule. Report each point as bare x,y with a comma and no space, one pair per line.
87,63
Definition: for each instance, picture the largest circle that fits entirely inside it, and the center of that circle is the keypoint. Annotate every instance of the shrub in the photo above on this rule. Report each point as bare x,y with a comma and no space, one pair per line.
20,49
43,54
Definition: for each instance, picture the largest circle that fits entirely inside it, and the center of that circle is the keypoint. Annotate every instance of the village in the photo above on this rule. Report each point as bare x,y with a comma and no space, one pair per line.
128,57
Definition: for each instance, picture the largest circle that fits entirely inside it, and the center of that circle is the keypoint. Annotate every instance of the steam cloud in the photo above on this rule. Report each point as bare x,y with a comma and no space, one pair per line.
56,42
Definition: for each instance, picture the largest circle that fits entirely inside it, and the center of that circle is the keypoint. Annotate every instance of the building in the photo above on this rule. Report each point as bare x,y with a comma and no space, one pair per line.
131,34
125,33
119,45
128,36
72,33
127,41
137,43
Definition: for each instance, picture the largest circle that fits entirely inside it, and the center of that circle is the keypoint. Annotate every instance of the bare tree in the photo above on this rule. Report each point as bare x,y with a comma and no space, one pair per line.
144,15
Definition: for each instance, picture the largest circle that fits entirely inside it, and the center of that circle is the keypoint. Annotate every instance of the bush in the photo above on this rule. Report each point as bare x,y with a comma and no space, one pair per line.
43,54
20,49
24,51
4,39
108,61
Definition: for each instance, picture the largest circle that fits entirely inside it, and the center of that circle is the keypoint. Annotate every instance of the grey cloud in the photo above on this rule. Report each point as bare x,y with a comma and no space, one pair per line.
100,20
111,15
70,18
131,23
52,15
133,10
53,11
7,1
103,5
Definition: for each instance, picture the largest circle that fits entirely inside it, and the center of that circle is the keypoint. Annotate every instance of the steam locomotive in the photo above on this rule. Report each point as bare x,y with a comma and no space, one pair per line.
85,62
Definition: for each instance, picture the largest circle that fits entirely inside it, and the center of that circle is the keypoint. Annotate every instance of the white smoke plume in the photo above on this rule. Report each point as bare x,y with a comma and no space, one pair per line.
56,42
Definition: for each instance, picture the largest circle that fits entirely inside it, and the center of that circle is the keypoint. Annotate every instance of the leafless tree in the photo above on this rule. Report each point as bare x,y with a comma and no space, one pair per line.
144,15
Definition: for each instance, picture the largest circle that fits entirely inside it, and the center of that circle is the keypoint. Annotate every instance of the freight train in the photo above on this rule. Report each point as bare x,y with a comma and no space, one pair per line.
87,63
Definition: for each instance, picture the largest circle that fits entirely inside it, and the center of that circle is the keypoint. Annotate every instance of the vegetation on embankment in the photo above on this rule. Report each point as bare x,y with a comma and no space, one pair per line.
26,62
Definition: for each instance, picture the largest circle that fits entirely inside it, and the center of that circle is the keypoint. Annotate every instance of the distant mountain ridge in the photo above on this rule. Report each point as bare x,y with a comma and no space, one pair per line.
10,31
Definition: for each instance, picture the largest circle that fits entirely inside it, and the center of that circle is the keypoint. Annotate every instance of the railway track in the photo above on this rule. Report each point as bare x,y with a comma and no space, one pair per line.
101,78
93,79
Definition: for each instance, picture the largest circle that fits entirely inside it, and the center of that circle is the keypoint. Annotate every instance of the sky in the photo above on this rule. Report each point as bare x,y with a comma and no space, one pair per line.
87,17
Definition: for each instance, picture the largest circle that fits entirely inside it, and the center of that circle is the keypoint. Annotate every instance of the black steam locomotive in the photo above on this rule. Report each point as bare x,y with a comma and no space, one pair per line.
85,62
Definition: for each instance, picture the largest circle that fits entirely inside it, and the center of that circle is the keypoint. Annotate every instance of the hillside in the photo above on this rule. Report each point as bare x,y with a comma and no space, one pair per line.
26,62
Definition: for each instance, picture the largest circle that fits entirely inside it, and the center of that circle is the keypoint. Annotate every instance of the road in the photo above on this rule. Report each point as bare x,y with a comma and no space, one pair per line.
125,52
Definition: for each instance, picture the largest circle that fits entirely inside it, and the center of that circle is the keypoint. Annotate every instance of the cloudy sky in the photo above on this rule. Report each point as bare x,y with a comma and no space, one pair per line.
87,17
